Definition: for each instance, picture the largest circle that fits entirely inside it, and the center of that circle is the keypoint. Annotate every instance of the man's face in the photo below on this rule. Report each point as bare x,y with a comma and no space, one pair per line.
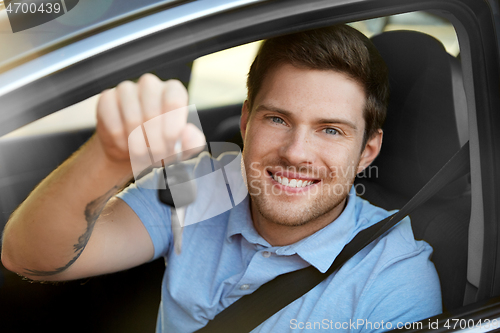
302,144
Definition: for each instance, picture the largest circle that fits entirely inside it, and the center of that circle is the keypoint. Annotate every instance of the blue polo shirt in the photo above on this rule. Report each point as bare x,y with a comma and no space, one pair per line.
388,284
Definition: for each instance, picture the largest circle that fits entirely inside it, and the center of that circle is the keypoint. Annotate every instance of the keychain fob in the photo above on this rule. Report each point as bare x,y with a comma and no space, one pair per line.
179,177
185,188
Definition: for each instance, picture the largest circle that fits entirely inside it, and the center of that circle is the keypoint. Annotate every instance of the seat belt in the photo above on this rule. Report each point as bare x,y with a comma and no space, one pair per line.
251,310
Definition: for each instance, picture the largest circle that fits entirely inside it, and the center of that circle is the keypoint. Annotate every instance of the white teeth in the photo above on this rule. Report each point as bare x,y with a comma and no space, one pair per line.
292,182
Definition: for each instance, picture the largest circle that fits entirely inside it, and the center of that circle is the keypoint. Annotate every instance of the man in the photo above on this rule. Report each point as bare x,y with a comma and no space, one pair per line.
312,121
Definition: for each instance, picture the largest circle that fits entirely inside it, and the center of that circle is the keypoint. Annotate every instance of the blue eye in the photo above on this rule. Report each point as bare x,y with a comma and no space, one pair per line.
277,120
331,131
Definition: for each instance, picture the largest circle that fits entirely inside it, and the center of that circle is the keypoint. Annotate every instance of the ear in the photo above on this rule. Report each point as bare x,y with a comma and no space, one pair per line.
372,148
244,119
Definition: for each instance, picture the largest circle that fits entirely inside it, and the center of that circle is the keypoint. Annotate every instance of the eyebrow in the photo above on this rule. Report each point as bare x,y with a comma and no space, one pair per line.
263,107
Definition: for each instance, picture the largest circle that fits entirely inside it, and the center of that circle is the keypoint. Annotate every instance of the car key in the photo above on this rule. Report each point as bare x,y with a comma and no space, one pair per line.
181,178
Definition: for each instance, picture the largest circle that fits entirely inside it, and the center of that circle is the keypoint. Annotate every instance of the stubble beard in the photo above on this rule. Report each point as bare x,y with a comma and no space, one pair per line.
289,214
276,209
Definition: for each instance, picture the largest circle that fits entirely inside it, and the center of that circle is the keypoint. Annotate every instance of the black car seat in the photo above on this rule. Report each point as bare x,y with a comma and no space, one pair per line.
426,124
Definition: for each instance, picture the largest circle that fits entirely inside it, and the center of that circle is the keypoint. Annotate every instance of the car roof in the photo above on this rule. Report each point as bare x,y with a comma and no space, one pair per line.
85,19
52,46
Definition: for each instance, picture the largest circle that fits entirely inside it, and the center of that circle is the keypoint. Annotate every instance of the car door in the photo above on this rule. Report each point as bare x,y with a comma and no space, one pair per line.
163,43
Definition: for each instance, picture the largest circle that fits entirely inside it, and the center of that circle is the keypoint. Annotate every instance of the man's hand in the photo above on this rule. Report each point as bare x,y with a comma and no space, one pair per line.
127,107
66,228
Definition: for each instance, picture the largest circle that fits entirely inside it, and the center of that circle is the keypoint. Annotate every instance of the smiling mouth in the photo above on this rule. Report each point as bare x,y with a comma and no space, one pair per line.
292,182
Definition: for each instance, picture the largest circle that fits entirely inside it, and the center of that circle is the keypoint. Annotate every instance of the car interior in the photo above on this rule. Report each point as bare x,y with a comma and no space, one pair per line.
427,123
423,99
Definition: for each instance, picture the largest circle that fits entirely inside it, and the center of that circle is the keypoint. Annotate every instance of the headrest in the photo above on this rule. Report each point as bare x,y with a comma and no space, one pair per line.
420,133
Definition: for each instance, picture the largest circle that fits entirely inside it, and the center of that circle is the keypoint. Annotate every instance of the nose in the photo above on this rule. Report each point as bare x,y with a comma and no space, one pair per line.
297,148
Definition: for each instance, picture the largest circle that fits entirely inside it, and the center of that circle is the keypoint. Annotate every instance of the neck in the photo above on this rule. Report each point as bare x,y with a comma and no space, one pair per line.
281,234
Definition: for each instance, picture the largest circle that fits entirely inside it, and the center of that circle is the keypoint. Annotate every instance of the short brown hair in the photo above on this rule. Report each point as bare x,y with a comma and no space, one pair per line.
339,48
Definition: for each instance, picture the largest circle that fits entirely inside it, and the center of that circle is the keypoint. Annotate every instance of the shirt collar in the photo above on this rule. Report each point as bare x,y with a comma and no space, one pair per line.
319,250
240,222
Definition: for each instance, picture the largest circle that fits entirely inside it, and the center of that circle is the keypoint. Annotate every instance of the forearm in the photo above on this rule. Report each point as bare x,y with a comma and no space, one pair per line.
51,228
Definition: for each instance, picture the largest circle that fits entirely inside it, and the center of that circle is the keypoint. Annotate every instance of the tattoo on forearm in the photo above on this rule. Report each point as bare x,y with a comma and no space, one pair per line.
92,212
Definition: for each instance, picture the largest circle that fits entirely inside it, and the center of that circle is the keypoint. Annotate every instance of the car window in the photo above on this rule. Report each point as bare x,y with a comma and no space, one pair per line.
427,23
75,117
219,79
